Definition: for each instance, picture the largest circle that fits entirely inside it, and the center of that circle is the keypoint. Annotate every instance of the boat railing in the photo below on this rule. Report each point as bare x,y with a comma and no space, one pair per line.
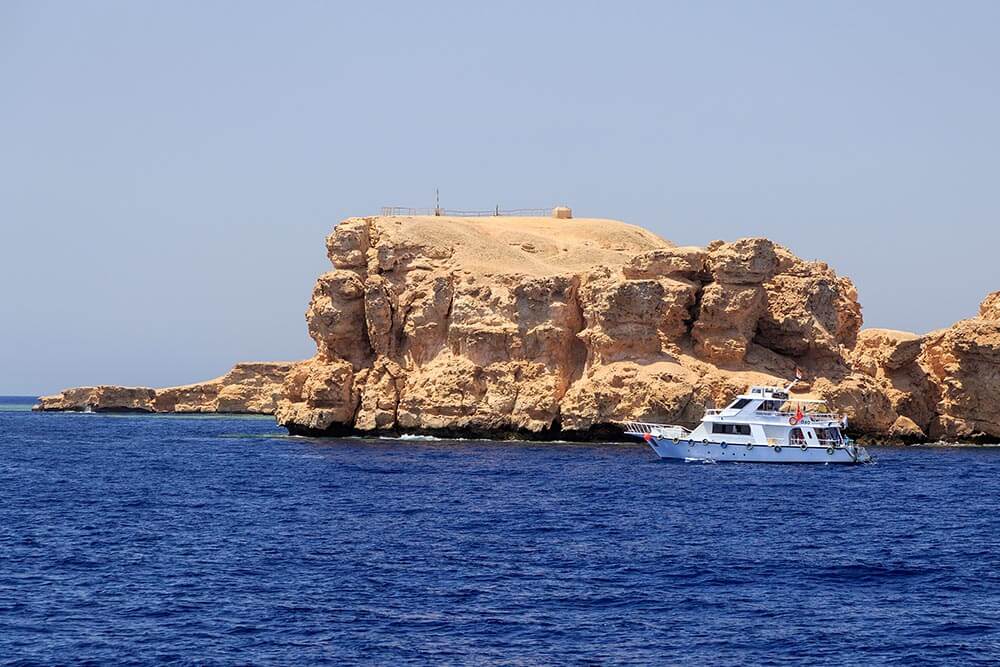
799,442
815,416
642,428
777,414
824,416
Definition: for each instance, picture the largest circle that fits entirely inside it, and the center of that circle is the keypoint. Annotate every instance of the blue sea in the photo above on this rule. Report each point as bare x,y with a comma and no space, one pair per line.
218,540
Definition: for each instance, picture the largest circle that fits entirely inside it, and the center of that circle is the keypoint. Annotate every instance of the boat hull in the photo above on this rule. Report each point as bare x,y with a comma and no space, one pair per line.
717,452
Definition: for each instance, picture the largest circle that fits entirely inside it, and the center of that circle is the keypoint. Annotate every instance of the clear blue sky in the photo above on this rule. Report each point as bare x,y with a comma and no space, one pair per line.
168,170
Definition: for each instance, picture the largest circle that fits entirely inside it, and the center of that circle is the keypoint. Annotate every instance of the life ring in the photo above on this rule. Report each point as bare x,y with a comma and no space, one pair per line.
793,420
777,448
829,450
724,445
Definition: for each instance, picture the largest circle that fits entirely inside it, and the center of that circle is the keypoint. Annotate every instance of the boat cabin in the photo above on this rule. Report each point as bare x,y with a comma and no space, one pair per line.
771,415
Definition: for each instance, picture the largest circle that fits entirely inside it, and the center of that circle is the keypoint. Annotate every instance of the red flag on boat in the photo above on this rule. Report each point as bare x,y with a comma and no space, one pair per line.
647,436
798,413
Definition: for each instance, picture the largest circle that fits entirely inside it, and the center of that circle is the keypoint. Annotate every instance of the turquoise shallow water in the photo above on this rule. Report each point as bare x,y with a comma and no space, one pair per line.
16,403
138,539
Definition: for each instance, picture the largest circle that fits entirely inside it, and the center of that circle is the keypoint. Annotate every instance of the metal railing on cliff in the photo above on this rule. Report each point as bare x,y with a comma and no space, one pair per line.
522,212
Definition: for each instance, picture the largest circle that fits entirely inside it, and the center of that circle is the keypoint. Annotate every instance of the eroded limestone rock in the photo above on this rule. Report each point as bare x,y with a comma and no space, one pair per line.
507,325
247,388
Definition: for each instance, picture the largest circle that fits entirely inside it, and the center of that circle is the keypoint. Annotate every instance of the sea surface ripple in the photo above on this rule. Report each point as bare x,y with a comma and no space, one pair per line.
210,540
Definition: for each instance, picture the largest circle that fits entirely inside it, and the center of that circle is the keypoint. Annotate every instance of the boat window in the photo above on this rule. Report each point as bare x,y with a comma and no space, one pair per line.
828,434
740,404
732,429
769,406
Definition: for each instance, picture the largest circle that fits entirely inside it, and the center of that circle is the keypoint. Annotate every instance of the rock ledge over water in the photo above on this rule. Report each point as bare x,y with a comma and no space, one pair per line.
247,388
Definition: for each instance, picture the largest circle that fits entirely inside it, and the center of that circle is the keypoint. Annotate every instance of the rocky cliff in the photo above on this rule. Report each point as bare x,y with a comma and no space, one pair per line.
944,385
545,327
536,326
247,388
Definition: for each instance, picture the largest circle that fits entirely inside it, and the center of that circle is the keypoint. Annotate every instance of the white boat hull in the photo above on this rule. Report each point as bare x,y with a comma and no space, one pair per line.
717,452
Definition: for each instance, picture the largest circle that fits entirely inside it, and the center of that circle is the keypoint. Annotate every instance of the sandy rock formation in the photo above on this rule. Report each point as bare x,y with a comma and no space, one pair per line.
564,327
963,364
890,358
100,398
989,309
535,326
943,385
247,388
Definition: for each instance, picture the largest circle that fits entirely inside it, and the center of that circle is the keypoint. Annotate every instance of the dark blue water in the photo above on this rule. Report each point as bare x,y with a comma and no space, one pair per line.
139,539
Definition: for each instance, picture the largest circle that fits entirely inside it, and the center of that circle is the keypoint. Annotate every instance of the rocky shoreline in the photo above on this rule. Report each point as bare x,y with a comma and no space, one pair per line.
549,328
249,388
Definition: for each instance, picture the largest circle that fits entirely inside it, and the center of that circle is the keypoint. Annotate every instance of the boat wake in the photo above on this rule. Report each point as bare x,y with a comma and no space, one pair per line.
411,436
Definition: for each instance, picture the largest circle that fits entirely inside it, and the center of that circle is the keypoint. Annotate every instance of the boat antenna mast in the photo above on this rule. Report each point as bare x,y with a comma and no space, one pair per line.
795,380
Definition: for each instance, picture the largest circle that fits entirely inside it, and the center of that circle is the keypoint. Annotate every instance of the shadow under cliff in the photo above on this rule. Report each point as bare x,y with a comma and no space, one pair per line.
597,433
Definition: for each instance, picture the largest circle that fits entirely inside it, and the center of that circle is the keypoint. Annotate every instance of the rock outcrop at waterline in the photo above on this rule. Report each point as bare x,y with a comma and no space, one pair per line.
252,388
535,326
944,385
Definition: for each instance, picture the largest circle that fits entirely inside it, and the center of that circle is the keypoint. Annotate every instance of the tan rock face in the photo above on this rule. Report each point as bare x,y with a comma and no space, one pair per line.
632,319
990,307
247,388
963,363
943,385
318,394
860,398
506,325
99,399
337,316
809,310
687,262
466,329
520,326
890,358
727,321
744,262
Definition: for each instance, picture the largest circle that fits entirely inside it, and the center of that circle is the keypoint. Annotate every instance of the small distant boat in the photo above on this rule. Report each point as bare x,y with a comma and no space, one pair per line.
765,425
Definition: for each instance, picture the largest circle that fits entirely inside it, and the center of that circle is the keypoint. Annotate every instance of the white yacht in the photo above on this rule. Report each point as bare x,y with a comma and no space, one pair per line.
765,425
